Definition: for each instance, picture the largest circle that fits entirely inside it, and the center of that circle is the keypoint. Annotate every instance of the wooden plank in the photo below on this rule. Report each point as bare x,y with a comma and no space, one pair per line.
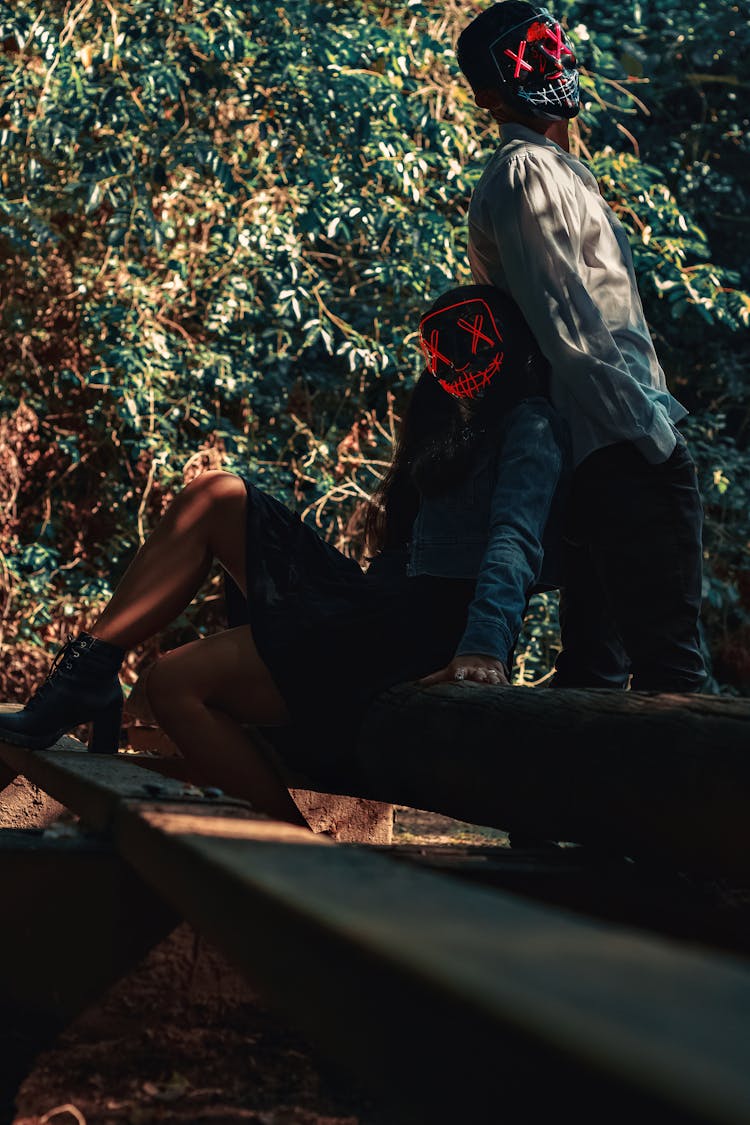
92,785
654,775
75,919
714,913
488,989
80,918
456,996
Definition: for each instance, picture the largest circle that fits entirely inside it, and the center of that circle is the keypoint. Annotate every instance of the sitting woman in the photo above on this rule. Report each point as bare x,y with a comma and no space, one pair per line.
457,531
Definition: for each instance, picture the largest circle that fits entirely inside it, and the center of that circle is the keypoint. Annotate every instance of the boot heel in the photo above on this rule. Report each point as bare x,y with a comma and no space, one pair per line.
105,730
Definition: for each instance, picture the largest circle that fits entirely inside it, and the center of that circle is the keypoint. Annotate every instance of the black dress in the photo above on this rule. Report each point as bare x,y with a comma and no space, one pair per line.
332,636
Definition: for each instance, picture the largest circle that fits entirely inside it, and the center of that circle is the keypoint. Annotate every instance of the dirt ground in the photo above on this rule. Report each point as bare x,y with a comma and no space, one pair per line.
183,1040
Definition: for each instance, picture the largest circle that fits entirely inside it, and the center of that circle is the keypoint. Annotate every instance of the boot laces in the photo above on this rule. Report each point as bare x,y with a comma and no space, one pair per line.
64,654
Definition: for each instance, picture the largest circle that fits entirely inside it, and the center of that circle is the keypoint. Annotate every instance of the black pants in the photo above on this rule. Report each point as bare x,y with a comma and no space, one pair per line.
633,574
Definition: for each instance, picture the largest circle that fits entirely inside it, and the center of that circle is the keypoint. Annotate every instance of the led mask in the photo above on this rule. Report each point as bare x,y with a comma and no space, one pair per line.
463,346
537,67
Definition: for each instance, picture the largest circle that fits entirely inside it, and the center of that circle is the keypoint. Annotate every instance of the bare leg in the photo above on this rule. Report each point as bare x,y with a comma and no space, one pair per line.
200,693
187,688
205,521
137,705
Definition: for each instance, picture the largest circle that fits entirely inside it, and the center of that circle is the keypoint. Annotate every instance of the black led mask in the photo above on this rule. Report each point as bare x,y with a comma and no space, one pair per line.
537,68
463,346
477,342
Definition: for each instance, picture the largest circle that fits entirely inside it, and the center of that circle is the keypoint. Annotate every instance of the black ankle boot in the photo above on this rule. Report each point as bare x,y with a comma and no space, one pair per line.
81,686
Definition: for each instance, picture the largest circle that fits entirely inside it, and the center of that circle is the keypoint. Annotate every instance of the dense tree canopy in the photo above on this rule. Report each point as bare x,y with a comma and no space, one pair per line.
220,221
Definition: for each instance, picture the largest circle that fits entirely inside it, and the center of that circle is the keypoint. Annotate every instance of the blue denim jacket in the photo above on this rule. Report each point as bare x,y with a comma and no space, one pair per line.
501,525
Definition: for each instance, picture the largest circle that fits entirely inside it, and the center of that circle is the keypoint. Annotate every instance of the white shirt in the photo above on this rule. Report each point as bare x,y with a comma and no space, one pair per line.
540,231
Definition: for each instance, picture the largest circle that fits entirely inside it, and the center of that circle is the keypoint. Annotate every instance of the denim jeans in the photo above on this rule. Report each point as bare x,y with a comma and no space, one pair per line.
633,566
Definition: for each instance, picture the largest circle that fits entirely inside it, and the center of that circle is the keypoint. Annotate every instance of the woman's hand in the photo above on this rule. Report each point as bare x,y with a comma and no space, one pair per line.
472,667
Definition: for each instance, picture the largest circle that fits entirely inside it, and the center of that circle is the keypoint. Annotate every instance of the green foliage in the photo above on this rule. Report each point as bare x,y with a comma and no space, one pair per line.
539,641
220,221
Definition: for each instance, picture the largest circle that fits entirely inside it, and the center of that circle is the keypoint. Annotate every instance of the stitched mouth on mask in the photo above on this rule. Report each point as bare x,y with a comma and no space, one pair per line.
470,384
555,94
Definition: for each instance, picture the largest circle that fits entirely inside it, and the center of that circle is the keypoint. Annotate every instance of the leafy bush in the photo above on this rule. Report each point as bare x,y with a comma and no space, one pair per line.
220,221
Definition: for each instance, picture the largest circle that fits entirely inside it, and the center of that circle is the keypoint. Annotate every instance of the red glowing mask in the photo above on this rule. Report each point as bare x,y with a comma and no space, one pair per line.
463,347
538,68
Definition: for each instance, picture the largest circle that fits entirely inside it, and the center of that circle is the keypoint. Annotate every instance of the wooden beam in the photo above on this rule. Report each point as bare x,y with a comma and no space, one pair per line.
75,919
457,997
655,775
714,913
92,785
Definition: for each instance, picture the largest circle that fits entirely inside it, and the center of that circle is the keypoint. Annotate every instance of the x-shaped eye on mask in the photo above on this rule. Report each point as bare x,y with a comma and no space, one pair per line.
538,68
536,36
460,330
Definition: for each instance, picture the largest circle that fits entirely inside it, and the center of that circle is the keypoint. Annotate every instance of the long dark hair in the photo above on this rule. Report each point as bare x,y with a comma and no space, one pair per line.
437,443
431,415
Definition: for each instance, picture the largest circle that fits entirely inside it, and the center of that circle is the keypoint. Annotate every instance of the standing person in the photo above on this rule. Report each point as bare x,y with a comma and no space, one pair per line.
540,231
457,529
